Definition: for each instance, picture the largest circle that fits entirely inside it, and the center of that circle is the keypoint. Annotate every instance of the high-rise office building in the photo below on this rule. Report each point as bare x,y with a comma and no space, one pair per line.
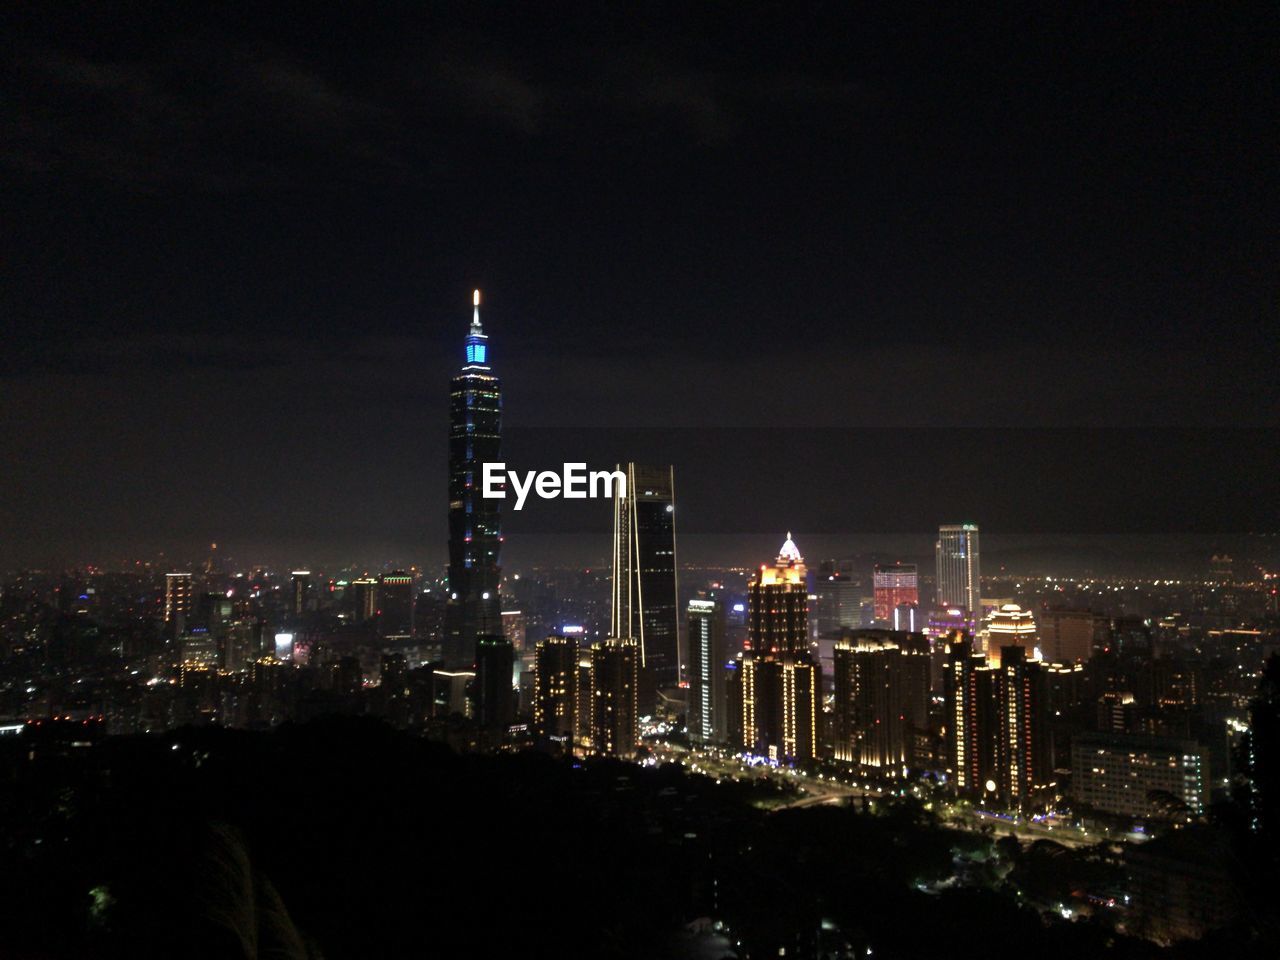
555,690
177,600
707,664
364,599
244,640
777,605
514,628
999,740
972,718
870,714
959,576
475,426
882,695
615,719
894,584
299,592
1026,755
907,618
494,692
645,593
787,707
1067,636
779,691
397,592
839,604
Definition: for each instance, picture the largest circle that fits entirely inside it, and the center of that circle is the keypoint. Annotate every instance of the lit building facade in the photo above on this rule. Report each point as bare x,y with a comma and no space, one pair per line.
882,696
777,606
514,629
555,690
998,733
707,721
300,592
869,717
1010,626
645,590
959,581
364,599
839,604
972,718
396,595
779,693
1026,740
177,600
1139,776
615,718
894,584
475,427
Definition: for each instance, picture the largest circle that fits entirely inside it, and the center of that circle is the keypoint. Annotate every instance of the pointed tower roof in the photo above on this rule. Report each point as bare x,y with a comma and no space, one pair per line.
789,553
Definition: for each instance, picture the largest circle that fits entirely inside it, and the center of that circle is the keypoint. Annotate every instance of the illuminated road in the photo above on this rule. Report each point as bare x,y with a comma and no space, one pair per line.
814,791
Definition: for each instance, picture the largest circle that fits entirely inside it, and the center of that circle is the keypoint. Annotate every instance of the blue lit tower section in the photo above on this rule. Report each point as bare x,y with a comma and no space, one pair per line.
475,426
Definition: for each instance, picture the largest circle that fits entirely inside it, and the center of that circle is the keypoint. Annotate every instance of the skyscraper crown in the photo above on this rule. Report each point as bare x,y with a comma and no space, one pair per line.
477,342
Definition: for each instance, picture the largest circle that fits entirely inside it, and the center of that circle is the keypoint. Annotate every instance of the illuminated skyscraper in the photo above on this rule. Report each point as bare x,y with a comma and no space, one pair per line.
779,690
300,592
475,425
777,605
364,598
645,596
396,594
959,578
513,628
894,584
999,743
881,697
839,601
906,617
972,719
707,659
555,690
177,600
615,720
1026,754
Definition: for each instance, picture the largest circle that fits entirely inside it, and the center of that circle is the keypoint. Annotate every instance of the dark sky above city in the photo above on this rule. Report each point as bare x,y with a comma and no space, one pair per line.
1015,269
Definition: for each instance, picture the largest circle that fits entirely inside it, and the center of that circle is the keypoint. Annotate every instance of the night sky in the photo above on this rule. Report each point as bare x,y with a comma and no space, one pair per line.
1018,270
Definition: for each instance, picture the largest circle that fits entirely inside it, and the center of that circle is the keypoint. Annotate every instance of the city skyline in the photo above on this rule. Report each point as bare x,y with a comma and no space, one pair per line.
929,607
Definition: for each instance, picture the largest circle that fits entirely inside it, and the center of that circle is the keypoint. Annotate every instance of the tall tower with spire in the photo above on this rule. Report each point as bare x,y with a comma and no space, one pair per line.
475,428
779,682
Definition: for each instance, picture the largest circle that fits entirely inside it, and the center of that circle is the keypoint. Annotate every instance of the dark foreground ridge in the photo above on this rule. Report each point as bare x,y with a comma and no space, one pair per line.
344,838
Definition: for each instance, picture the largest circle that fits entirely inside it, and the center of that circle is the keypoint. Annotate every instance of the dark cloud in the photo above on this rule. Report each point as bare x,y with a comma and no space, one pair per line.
238,121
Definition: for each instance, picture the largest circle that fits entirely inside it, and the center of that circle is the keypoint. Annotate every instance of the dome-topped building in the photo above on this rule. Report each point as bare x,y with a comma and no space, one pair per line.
1011,626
